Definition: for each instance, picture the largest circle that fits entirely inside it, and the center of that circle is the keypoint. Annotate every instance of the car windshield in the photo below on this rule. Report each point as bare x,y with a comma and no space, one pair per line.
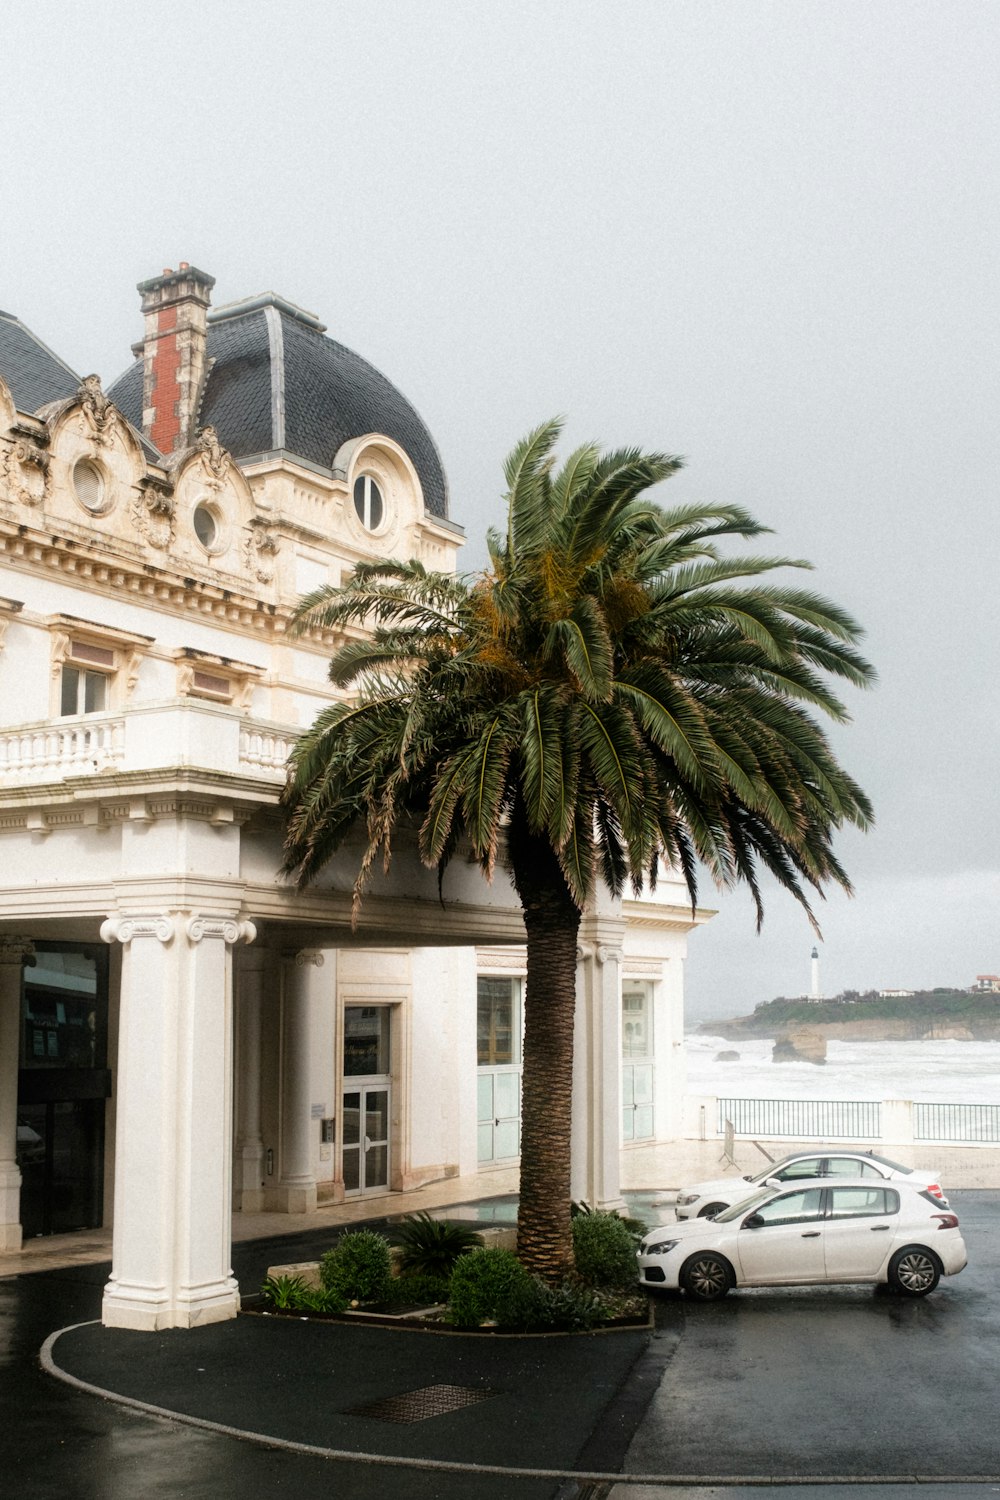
746,1206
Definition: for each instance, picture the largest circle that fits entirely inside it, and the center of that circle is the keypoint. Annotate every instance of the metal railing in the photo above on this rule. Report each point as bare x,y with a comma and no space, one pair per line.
802,1119
972,1123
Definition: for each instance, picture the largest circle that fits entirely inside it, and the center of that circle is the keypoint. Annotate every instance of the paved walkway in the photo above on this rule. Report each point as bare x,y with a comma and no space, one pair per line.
761,1389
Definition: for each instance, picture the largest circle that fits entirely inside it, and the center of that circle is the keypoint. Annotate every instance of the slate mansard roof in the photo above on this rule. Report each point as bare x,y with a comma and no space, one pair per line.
276,383
34,374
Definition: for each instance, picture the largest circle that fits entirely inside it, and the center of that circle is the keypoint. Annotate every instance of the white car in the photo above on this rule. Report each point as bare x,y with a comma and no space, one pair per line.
704,1199
815,1232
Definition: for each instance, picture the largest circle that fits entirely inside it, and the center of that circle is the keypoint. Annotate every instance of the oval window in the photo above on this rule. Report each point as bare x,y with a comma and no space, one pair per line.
88,482
368,502
206,526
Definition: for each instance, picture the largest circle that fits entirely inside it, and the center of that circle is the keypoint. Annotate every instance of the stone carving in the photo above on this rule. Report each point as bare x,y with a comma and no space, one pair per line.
227,928
98,417
26,470
260,549
126,929
215,460
153,512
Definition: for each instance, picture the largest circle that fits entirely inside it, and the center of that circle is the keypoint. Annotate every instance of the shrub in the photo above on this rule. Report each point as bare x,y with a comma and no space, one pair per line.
283,1291
604,1251
359,1267
291,1293
636,1227
532,1306
432,1246
417,1288
480,1282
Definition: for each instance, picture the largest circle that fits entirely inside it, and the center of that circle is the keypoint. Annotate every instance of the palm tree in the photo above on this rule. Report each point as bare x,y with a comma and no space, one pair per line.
609,697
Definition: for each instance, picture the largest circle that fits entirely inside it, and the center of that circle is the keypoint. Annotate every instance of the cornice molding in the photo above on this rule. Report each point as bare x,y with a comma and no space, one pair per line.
223,598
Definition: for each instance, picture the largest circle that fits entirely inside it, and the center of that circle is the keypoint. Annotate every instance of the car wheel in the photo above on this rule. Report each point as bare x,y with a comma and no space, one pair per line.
914,1271
706,1277
711,1209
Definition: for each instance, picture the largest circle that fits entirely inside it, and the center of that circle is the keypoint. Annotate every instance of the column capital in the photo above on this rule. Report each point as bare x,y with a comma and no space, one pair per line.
306,956
228,928
125,929
599,953
14,950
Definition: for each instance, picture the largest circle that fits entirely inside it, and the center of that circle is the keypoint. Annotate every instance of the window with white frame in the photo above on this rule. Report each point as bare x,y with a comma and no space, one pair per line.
498,1056
638,1123
86,677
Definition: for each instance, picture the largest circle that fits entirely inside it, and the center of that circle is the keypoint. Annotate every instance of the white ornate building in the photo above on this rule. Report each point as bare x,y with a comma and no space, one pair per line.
181,1033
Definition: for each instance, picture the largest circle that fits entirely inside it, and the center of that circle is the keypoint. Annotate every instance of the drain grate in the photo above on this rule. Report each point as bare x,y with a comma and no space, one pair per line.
417,1406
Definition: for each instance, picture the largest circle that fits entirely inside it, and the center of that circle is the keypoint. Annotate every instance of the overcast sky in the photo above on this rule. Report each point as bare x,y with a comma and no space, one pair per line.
761,235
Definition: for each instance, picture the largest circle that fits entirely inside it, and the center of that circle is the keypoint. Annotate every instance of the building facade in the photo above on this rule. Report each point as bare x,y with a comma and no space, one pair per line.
183,1034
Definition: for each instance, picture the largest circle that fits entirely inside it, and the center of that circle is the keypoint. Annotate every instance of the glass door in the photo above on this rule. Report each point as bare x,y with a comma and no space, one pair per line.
366,1139
365,1108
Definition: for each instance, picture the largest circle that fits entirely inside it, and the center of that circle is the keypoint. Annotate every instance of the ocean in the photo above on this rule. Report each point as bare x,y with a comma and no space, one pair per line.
927,1072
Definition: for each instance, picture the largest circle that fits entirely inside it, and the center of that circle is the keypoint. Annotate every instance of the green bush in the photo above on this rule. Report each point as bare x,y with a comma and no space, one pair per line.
359,1267
531,1306
292,1294
604,1251
432,1246
416,1288
479,1284
283,1292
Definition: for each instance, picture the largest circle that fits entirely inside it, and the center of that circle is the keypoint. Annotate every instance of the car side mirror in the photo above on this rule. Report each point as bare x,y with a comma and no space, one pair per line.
748,1177
753,1221
773,1182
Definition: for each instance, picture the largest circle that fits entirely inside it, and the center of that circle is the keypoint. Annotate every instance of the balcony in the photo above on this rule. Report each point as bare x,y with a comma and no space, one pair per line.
190,734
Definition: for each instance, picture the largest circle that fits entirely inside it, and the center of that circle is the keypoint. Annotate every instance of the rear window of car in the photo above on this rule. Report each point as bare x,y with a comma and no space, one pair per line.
862,1202
894,1166
851,1166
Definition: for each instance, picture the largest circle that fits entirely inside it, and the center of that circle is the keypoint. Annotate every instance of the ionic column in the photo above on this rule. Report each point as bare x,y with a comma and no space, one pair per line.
249,1178
296,1190
13,952
597,1104
173,1160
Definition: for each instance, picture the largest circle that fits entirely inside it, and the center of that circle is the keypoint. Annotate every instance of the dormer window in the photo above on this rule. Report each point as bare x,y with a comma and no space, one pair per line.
89,486
368,502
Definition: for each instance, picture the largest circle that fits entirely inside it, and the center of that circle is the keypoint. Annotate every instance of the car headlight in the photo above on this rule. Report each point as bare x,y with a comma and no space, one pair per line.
659,1247
684,1199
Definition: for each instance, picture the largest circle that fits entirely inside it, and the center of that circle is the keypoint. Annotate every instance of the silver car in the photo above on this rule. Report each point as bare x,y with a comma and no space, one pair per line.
820,1231
704,1199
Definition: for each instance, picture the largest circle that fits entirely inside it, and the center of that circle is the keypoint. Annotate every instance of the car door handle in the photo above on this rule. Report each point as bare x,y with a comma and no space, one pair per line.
811,1234
879,1228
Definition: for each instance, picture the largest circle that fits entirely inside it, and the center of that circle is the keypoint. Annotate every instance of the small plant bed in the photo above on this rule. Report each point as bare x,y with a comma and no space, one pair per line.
449,1282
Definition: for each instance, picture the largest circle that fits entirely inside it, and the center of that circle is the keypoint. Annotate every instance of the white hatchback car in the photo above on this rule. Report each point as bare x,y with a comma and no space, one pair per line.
813,1232
704,1199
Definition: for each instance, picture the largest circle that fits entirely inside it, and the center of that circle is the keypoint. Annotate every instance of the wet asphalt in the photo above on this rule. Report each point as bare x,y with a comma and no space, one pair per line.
793,1392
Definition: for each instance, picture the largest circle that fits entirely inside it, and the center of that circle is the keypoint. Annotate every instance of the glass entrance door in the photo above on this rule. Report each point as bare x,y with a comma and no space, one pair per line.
366,1139
366,1100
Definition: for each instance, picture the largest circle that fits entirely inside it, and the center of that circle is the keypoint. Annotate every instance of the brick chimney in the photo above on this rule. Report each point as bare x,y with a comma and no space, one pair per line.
175,309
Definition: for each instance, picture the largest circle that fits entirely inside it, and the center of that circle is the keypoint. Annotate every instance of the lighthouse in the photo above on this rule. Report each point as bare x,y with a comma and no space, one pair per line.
814,987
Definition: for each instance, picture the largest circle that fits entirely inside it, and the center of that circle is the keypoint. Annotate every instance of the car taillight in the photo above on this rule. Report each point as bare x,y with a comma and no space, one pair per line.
937,1191
946,1221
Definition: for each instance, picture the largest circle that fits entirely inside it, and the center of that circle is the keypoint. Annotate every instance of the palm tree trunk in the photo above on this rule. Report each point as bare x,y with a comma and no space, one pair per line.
552,921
